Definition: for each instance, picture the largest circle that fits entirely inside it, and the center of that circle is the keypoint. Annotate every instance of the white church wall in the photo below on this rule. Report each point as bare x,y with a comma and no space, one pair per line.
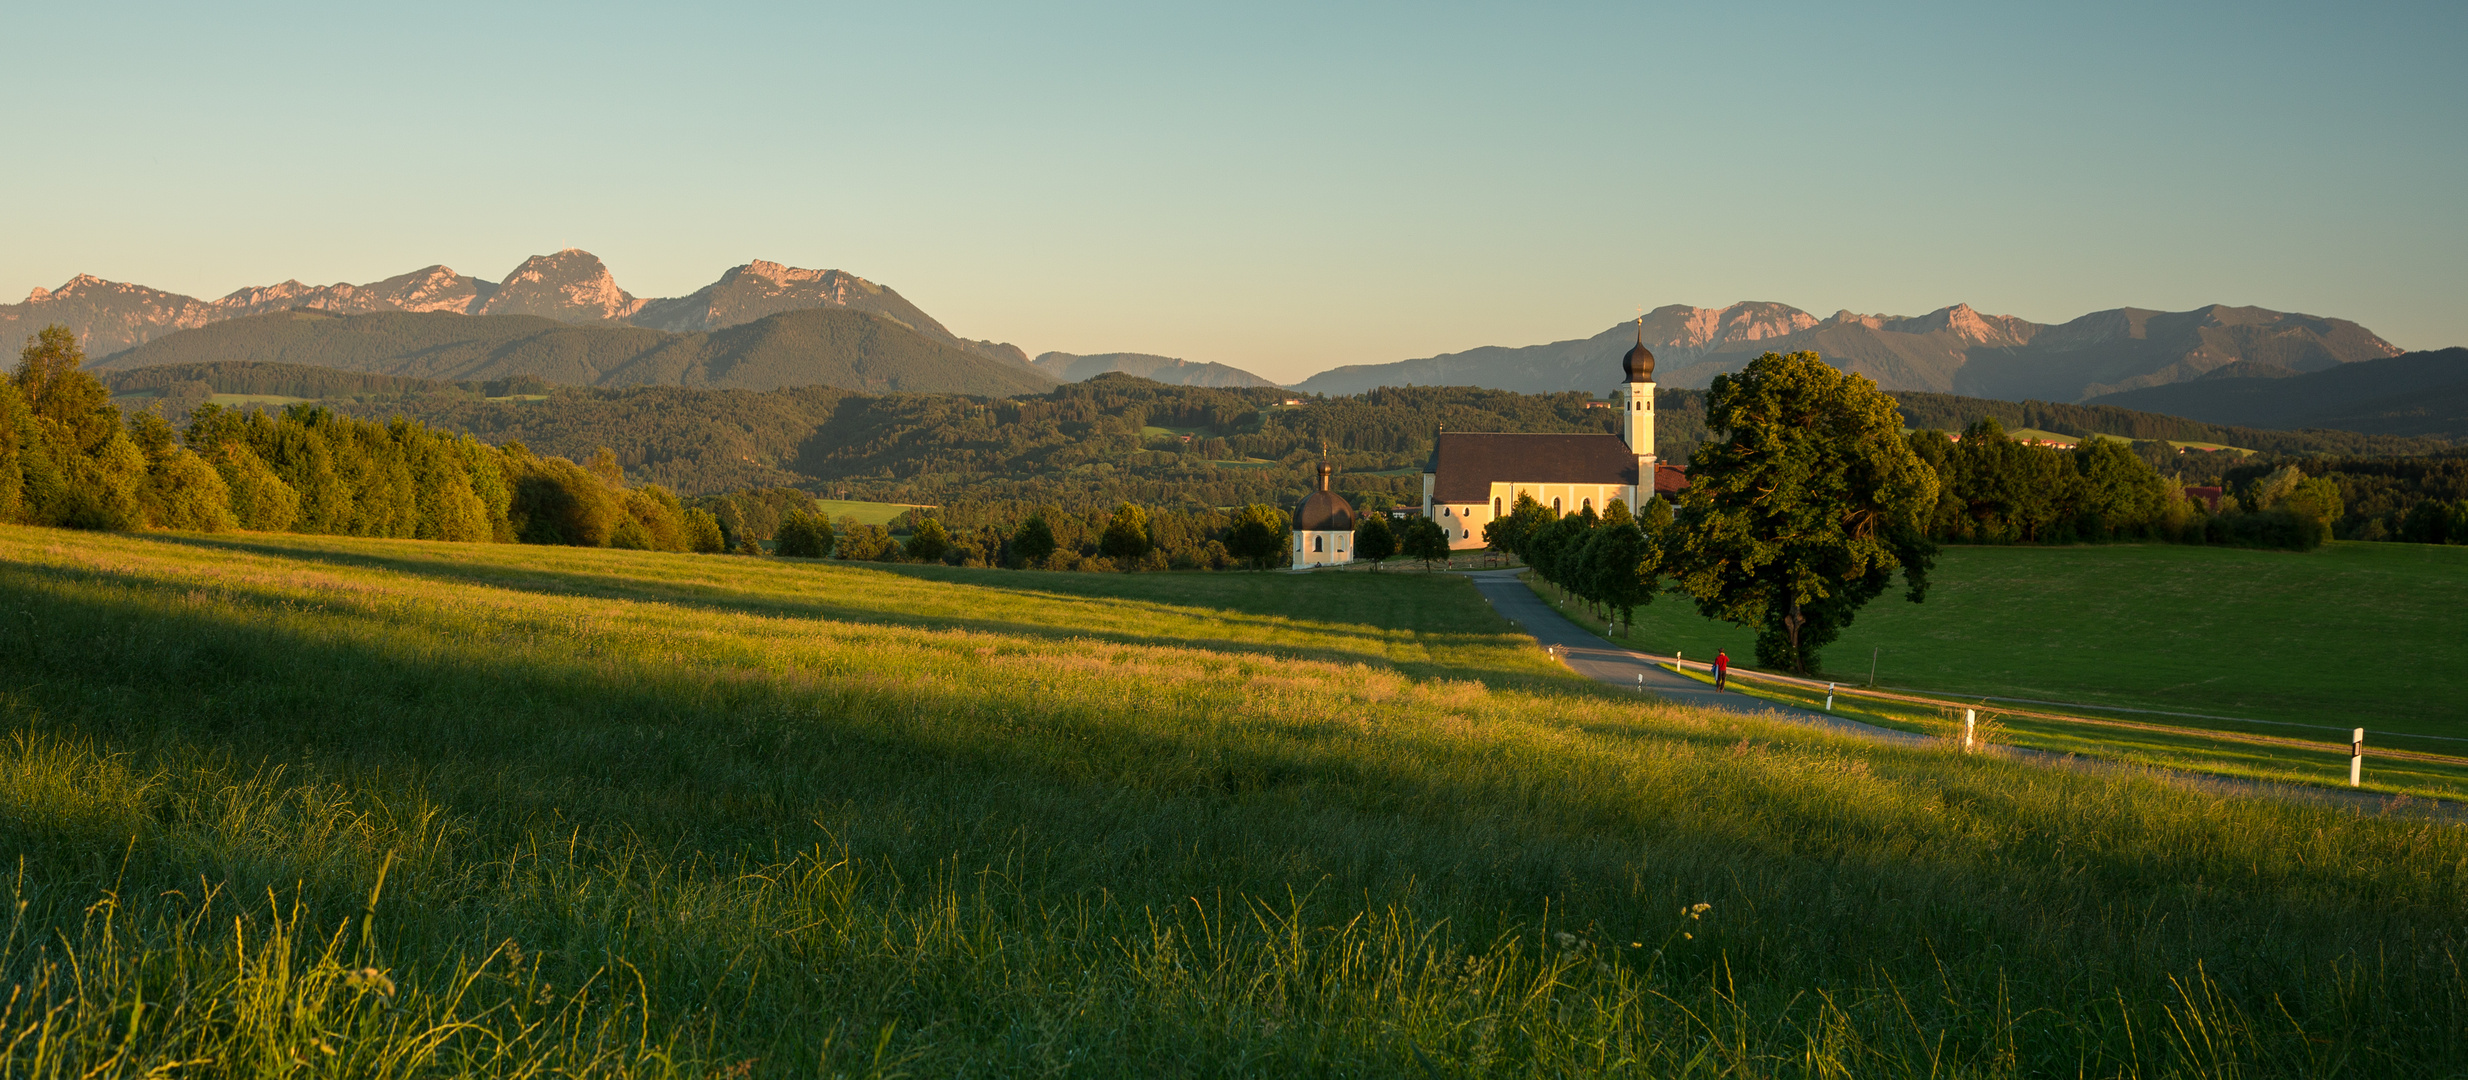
1319,548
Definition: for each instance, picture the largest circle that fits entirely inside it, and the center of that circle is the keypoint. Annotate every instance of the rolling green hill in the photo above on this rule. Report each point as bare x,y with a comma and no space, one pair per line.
1110,438
838,347
2416,394
1949,412
318,806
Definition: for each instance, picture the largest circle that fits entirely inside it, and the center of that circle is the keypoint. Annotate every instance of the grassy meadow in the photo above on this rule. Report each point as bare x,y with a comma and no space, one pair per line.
2351,635
868,513
282,805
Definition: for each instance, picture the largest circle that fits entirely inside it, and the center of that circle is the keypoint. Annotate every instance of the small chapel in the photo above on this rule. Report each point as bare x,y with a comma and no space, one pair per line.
1474,477
1323,528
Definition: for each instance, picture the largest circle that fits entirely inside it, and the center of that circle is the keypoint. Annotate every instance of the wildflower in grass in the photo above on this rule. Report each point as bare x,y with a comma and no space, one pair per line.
370,980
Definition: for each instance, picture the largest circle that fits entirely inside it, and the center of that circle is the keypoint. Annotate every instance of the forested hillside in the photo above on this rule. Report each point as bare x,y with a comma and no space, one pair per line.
1084,444
1090,444
70,457
1949,412
840,347
2420,393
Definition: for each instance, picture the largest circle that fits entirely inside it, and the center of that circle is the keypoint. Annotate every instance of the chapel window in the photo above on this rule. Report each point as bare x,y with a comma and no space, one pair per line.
1495,506
1316,542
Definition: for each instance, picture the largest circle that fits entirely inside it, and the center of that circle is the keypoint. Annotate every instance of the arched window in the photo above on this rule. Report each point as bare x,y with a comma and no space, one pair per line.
1495,506
1316,541
1589,504
1555,506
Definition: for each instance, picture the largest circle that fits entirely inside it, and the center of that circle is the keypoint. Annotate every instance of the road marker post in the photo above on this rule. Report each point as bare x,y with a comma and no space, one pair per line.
1829,697
1970,724
2356,759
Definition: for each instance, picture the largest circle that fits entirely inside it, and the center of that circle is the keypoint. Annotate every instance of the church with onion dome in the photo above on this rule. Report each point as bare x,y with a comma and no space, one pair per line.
1475,477
1323,528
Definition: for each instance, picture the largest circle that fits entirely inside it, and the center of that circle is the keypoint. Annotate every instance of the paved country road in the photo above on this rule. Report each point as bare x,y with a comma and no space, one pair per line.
1591,656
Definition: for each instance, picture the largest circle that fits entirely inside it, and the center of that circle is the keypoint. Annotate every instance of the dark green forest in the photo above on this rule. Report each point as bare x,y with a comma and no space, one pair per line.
1948,412
815,346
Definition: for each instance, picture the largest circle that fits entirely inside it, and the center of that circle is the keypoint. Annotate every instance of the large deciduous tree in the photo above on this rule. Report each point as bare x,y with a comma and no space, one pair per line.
1374,541
1801,507
1259,534
1426,540
1126,535
1033,542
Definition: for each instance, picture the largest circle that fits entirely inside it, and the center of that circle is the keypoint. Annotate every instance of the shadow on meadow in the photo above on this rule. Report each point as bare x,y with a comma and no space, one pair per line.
1986,890
1265,601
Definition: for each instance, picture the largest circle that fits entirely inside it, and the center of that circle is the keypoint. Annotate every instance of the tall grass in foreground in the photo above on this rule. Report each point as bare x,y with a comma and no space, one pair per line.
376,808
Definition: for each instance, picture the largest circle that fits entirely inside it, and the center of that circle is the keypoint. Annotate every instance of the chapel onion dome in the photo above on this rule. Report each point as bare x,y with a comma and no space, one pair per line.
1639,362
1325,510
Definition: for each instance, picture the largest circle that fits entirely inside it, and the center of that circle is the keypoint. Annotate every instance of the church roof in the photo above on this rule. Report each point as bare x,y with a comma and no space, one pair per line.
1638,364
1324,510
1469,462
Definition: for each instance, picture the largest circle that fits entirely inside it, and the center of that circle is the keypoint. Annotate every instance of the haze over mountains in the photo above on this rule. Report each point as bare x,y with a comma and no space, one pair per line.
1951,350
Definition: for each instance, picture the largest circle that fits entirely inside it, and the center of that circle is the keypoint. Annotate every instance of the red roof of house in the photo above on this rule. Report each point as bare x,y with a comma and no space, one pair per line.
1670,478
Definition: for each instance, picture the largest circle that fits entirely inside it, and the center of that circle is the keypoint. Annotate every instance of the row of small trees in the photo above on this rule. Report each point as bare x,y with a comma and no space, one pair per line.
1611,561
1255,536
69,458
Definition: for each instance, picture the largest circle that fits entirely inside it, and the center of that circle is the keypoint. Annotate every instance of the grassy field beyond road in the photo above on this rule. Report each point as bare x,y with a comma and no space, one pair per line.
283,805
2371,635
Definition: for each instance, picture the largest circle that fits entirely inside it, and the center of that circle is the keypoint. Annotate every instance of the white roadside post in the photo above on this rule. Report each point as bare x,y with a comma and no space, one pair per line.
1829,697
1679,661
1970,723
2356,758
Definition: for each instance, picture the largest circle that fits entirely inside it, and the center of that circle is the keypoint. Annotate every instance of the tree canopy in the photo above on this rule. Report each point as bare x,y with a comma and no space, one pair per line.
1801,506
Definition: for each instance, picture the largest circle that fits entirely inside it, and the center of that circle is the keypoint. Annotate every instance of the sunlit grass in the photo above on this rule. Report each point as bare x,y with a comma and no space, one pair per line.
676,815
2356,634
2190,748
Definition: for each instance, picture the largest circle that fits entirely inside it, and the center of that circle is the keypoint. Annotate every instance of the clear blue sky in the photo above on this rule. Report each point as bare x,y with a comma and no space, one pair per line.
1283,188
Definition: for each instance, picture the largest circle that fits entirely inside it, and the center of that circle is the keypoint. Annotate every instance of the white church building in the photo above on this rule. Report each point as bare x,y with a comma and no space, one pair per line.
1474,477
1323,528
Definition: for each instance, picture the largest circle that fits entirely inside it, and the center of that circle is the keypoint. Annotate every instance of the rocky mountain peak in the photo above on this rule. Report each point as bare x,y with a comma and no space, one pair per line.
1967,324
572,285
1749,320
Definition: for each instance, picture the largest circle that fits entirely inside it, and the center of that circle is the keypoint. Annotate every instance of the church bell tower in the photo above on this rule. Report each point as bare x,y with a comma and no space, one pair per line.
1638,428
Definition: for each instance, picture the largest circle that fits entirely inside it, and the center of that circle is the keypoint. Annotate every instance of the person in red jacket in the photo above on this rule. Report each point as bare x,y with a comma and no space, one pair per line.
1722,667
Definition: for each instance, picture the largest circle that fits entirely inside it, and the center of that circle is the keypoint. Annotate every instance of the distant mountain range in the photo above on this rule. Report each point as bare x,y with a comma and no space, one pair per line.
1070,367
570,286
1951,350
827,346
2419,394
